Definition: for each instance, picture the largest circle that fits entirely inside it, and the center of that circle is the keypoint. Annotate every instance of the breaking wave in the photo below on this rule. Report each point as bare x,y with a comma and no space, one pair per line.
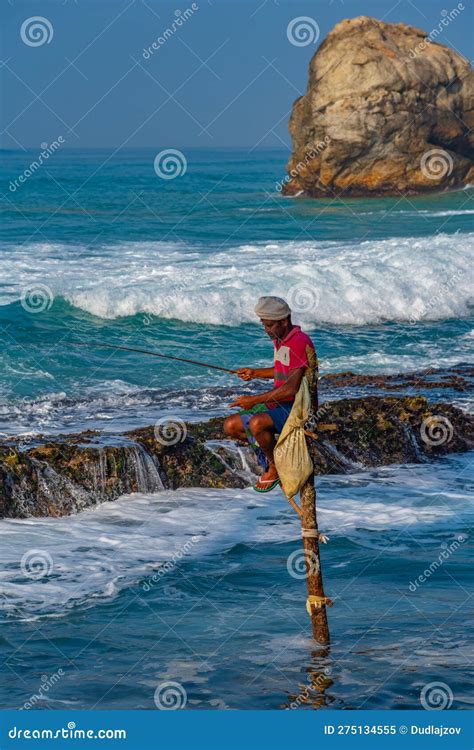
400,279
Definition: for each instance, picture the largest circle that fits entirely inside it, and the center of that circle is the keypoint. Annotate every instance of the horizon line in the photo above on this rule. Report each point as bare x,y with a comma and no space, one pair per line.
144,148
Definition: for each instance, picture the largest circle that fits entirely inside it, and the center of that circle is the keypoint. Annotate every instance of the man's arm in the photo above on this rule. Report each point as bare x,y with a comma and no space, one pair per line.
249,373
282,393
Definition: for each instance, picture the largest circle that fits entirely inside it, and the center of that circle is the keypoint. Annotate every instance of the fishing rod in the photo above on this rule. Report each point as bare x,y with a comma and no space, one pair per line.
154,354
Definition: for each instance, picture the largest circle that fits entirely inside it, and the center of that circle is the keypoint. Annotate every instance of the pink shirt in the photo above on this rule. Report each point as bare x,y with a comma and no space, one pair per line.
290,354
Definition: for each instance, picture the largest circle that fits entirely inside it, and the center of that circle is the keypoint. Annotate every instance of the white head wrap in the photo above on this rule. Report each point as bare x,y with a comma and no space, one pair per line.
272,308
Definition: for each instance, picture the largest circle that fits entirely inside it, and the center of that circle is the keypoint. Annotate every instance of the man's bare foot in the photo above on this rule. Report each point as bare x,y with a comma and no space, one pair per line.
267,480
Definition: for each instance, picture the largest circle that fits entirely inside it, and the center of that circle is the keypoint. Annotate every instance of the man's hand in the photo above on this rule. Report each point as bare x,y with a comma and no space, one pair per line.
246,373
244,402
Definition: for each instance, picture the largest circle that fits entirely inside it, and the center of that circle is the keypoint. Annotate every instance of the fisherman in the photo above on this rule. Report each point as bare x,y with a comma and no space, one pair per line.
262,416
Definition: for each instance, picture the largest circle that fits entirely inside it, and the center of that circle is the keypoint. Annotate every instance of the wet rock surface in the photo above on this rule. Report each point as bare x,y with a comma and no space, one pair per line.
68,474
460,378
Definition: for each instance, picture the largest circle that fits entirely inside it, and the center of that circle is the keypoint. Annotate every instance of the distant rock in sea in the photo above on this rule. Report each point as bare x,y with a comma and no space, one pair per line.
388,111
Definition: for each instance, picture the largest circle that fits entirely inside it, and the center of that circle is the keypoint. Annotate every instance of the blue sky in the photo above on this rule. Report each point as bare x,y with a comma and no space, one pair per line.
227,77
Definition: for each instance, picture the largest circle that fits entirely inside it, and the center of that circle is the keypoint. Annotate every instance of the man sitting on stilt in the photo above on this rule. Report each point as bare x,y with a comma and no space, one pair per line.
262,416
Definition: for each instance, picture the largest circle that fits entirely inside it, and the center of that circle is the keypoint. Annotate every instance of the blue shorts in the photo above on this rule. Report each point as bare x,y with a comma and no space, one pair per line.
279,415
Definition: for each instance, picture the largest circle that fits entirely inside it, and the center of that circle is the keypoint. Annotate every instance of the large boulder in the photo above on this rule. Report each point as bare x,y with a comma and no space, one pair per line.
387,111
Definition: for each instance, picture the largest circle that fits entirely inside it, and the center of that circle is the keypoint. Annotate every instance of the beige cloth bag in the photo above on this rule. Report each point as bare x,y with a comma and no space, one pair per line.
291,455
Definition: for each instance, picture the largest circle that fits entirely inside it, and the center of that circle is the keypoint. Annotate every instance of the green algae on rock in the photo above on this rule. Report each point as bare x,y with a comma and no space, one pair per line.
70,473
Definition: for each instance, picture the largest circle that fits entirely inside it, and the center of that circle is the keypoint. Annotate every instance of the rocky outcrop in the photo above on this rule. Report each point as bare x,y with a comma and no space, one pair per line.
388,110
460,378
65,475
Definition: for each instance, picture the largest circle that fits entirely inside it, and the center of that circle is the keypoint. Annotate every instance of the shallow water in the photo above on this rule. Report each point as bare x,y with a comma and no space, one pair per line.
226,619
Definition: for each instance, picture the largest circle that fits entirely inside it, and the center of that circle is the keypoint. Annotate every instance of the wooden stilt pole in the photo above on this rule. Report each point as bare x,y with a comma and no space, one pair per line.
317,601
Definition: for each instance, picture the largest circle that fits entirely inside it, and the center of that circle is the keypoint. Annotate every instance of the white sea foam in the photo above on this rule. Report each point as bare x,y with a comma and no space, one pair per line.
115,406
451,212
97,553
424,212
112,406
426,278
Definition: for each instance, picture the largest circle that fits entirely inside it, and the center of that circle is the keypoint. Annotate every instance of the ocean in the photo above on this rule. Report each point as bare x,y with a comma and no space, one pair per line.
97,248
